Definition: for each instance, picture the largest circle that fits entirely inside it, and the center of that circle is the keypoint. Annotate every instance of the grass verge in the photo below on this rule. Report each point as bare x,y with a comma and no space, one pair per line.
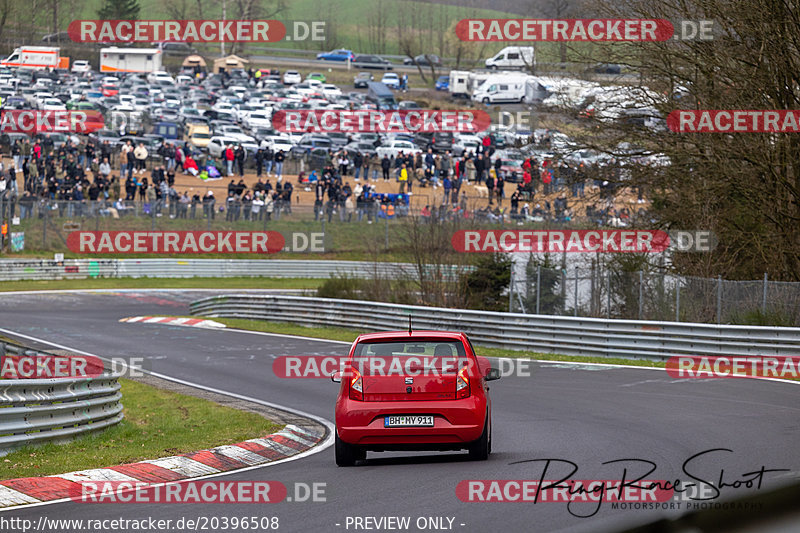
164,283
157,424
349,335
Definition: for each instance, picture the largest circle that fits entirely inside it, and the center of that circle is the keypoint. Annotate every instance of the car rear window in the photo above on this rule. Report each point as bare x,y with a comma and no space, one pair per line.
445,356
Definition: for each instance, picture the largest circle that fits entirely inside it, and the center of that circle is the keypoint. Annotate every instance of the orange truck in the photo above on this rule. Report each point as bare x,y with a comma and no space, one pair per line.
36,57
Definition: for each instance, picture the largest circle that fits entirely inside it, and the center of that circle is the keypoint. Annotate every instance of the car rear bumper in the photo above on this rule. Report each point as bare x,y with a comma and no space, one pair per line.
456,423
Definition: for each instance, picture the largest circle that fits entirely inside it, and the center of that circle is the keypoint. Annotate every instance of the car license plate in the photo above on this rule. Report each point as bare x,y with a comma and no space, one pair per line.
408,421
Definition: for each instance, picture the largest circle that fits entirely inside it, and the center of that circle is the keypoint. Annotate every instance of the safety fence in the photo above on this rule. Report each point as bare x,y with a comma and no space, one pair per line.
34,411
546,334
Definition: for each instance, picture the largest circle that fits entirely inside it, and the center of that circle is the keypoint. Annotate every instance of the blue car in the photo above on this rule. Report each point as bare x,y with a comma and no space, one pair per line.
443,83
340,54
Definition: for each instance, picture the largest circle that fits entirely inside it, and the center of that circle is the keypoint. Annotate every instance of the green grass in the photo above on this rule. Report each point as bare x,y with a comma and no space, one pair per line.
157,424
349,335
164,283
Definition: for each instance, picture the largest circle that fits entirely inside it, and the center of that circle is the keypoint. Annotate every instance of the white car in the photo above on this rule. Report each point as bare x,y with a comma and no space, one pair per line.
235,132
81,66
218,143
126,99
52,104
242,111
239,90
290,77
257,119
330,90
396,146
110,80
160,76
391,80
224,108
305,89
276,143
183,79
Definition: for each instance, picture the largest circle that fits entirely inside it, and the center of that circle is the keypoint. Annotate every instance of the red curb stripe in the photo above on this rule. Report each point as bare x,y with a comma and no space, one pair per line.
305,436
148,472
215,460
43,488
193,321
286,441
165,320
263,451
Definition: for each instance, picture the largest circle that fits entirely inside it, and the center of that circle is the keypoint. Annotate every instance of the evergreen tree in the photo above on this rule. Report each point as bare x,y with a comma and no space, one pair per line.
119,10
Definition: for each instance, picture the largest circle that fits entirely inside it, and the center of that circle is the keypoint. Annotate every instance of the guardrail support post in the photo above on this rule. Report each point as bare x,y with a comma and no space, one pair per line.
677,299
538,286
608,294
511,290
764,296
575,300
641,293
719,299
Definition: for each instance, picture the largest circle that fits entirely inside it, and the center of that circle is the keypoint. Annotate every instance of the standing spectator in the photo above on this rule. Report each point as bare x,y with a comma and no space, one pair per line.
358,161
140,153
279,158
403,178
208,205
240,155
385,166
259,162
229,157
269,157
448,186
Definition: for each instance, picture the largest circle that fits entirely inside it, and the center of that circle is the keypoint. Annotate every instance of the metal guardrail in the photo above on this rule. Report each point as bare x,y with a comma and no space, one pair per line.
44,269
34,411
546,334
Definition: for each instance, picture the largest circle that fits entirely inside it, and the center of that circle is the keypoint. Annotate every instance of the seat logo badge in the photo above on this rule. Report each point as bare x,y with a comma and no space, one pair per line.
409,381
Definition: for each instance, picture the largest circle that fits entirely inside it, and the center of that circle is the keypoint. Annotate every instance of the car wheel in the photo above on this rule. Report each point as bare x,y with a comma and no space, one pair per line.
486,100
347,454
481,448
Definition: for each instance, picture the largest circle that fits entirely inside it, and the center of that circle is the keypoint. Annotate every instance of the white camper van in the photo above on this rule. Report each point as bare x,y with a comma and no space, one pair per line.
521,57
501,88
459,83
130,59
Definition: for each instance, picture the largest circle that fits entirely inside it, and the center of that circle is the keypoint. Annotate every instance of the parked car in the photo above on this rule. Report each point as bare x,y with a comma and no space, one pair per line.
436,400
362,79
81,66
340,54
395,146
443,83
290,77
316,76
391,80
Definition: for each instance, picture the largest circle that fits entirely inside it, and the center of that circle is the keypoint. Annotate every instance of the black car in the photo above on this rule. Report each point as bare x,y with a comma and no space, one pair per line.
362,79
372,61
440,142
177,49
424,60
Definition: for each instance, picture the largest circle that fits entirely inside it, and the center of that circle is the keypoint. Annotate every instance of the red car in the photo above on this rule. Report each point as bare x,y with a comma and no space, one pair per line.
421,390
109,90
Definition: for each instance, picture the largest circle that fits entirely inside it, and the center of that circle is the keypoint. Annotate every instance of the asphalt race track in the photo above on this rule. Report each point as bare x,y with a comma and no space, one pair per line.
580,413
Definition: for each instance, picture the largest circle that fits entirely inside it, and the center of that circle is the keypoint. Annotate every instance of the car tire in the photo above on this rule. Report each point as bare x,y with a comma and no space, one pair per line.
481,448
486,100
347,454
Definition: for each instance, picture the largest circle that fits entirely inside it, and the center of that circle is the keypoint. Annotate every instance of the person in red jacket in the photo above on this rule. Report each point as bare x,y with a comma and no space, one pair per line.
229,159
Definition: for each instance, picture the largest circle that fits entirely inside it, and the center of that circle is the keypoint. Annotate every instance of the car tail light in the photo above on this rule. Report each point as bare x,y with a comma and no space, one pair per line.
462,383
356,385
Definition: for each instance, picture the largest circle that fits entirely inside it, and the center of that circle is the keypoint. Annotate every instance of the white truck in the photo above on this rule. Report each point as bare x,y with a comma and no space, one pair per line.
130,59
36,57
459,83
521,57
501,88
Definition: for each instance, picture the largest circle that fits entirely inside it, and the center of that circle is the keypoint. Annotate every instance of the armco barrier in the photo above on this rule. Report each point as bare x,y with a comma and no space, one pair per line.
538,333
187,268
33,411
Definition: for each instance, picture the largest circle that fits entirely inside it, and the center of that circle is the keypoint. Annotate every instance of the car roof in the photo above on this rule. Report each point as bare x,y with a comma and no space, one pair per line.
399,335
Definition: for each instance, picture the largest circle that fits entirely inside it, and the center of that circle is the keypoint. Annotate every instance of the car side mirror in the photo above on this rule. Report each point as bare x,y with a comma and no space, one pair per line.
492,374
336,377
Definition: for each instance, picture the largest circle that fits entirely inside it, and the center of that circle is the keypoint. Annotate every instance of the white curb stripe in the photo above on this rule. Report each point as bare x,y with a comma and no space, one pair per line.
9,497
240,454
278,447
96,474
183,466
